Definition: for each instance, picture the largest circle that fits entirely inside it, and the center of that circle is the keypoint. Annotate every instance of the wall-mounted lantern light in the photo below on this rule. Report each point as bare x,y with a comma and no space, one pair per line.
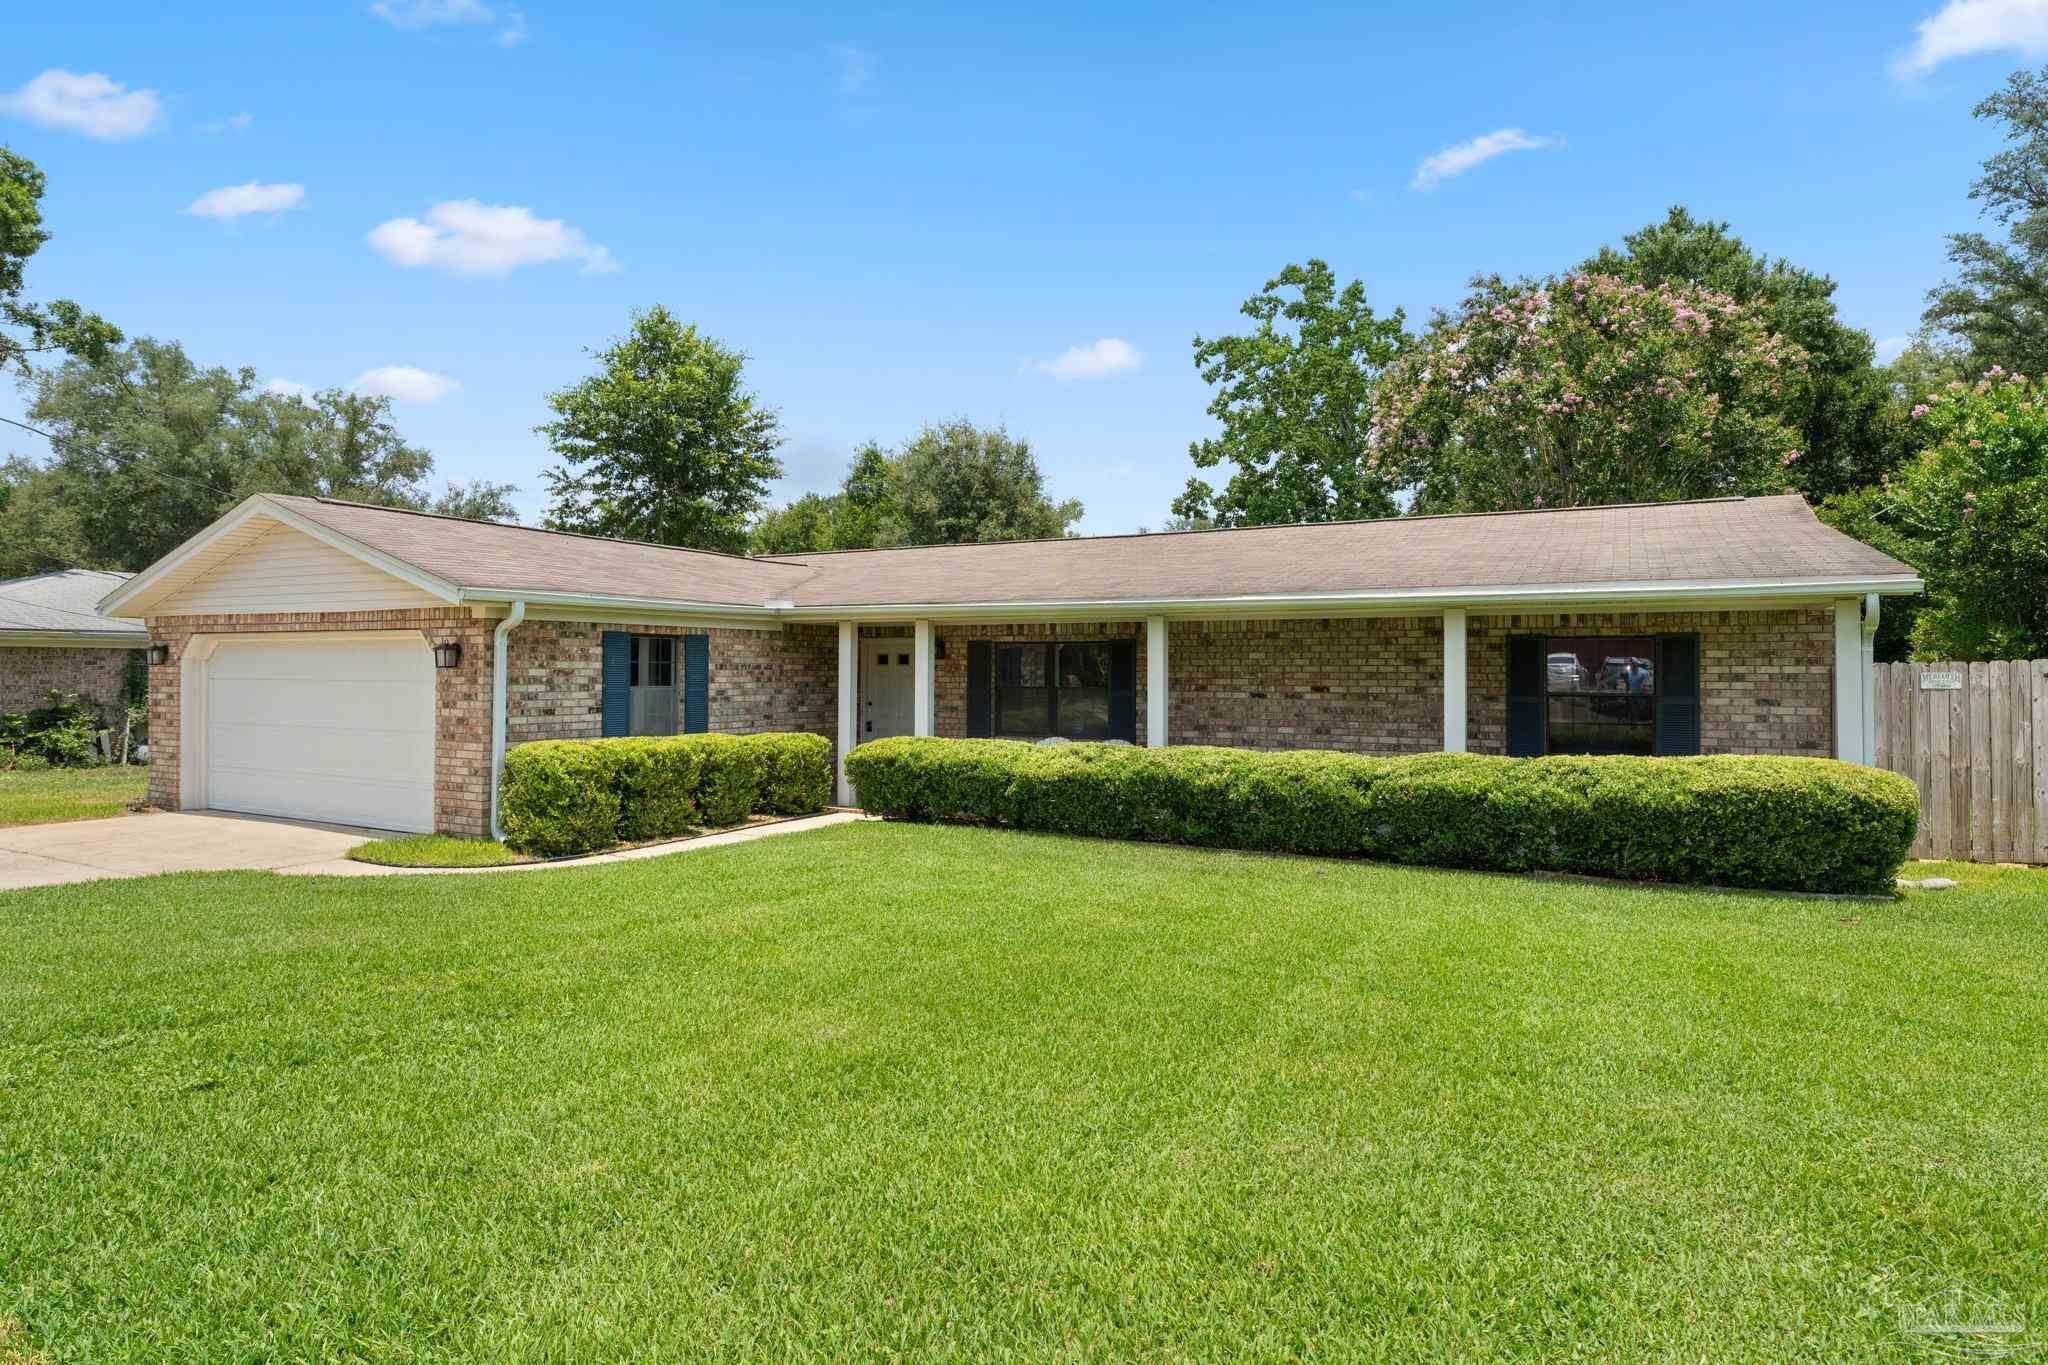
448,655
158,655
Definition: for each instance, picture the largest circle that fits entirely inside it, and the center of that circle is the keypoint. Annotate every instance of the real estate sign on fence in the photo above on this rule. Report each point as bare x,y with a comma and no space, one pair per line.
1974,739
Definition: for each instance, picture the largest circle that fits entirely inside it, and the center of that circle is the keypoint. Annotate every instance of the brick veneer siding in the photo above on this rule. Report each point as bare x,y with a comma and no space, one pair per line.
760,679
1767,678
1370,685
1375,684
462,699
29,672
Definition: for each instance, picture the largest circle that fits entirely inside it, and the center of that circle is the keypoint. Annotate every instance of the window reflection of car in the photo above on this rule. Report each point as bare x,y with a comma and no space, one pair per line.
1565,672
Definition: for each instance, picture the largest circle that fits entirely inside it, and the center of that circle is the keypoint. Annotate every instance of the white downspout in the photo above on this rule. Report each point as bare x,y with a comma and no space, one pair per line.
498,705
1870,610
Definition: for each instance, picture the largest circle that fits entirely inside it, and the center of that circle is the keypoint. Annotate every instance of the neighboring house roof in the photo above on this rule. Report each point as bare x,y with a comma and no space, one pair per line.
1721,549
62,608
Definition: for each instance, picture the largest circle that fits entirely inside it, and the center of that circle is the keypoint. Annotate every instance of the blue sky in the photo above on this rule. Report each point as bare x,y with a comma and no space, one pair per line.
914,212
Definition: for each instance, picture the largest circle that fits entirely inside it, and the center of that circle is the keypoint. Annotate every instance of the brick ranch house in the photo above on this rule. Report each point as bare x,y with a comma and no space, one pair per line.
52,636
332,661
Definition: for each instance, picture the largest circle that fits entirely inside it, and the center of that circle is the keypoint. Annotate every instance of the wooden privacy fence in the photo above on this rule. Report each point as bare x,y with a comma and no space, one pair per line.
1974,739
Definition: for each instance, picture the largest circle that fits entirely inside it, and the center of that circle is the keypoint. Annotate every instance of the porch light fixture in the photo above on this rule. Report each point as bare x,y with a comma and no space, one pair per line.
448,654
158,655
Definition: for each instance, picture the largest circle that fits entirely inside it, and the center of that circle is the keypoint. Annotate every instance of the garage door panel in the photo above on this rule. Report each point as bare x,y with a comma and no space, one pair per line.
333,703
338,731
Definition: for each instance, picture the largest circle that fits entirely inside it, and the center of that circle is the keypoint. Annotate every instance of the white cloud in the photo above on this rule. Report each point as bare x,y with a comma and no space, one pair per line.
856,66
1964,28
288,388
91,104
469,238
515,32
1458,159
233,123
432,13
1097,360
406,383
1890,348
235,201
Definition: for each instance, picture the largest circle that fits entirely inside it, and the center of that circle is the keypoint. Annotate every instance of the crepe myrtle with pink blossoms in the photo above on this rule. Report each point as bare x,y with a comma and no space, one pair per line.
1971,513
1586,389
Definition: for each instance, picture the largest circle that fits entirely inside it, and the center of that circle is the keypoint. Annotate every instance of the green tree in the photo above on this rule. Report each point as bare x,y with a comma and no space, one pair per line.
953,483
1840,406
664,443
26,328
1584,390
477,500
1997,305
1294,398
146,448
1971,513
956,483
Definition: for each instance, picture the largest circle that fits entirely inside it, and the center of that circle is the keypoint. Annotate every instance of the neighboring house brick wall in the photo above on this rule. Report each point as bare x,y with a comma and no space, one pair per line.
1767,678
29,672
462,699
760,679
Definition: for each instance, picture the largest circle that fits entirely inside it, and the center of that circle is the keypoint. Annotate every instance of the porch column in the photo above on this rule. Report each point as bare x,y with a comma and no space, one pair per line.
921,681
849,703
1155,682
1454,680
1849,666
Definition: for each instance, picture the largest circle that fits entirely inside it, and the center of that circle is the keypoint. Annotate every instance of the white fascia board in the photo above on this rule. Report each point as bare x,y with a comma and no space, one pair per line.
1566,597
643,606
257,505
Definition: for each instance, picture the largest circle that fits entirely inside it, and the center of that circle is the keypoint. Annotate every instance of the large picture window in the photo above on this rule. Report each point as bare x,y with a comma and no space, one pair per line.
1600,695
1052,689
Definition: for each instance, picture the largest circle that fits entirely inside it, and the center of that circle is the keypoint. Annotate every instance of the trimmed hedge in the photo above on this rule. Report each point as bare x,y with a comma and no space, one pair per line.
1801,824
568,796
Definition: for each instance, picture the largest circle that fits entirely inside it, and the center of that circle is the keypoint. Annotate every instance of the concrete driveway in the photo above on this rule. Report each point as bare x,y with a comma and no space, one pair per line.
184,841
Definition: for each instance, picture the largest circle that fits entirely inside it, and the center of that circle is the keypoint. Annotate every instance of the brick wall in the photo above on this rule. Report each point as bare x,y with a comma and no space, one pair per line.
462,698
1370,685
1767,678
1375,684
760,679
28,672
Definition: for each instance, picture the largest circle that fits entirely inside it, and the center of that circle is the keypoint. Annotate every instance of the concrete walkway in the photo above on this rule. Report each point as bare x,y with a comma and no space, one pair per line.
212,841
345,867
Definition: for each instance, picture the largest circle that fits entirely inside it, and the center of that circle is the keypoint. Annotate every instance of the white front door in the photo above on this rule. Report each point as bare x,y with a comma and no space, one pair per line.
886,688
328,729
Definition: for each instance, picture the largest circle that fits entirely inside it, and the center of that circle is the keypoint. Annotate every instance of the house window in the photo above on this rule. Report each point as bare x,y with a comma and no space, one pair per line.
1600,695
651,685
1052,689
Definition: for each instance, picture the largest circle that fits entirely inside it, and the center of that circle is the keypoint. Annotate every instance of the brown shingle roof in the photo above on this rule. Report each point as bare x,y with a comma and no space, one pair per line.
481,554
1731,539
1728,540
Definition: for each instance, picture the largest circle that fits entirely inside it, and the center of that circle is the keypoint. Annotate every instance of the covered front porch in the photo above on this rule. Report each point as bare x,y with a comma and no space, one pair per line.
1376,684
1751,678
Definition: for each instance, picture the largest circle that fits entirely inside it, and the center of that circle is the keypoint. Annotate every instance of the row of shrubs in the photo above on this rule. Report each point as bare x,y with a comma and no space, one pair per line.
560,797
1787,823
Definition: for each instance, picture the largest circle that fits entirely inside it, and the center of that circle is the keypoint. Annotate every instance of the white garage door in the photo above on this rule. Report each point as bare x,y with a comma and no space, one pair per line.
334,730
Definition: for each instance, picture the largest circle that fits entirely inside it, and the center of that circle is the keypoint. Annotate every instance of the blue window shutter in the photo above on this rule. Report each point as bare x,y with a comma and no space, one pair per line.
617,700
1527,731
1678,694
696,684
1123,690
981,689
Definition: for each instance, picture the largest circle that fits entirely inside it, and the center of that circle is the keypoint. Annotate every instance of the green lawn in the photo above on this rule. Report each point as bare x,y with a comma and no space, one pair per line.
882,1090
68,794
433,850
